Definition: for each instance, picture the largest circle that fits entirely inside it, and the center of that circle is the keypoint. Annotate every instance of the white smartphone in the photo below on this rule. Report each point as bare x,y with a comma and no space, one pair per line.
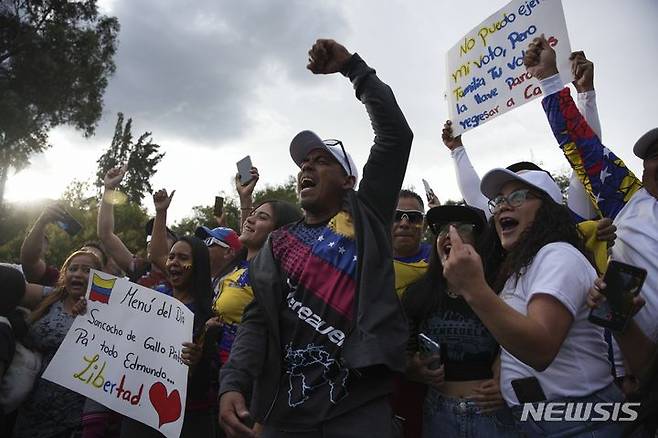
244,170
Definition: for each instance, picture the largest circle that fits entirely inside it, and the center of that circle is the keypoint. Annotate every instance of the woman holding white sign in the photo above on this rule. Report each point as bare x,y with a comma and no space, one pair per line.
52,410
187,266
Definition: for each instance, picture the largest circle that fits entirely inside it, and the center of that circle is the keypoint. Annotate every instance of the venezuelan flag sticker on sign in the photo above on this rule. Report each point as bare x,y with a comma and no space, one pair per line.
101,289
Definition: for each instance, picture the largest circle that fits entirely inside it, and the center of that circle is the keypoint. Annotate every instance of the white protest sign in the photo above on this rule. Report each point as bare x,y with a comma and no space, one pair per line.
485,72
125,352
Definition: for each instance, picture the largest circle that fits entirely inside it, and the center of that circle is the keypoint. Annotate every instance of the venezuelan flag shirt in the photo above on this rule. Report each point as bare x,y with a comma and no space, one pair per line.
232,294
319,265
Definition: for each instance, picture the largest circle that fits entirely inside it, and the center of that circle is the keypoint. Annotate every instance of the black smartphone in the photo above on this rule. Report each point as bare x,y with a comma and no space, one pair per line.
218,209
528,390
429,347
69,224
623,283
244,170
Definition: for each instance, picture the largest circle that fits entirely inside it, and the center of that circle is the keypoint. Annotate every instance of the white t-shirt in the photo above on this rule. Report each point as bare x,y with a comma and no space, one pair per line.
637,244
581,367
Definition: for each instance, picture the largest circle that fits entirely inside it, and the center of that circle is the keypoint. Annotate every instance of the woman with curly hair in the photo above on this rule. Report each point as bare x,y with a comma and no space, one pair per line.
52,410
539,315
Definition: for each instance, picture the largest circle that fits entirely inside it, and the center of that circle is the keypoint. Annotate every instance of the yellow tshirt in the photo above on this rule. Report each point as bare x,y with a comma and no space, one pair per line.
408,270
233,294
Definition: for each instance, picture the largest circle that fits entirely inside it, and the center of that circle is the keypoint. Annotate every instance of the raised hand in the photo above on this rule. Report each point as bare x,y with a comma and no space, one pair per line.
245,192
114,176
606,231
327,56
448,140
161,199
463,266
51,214
583,72
539,59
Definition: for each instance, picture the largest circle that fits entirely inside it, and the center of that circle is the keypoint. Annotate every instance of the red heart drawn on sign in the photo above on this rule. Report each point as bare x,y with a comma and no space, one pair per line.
167,406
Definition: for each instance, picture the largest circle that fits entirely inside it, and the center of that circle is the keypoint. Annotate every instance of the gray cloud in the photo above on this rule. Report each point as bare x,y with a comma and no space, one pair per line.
189,68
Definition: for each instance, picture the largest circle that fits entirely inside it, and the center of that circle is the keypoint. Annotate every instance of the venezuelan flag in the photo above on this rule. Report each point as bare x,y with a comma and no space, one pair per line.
101,289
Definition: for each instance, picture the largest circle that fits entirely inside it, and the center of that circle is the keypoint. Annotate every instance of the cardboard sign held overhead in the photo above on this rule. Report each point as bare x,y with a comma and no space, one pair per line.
125,352
484,70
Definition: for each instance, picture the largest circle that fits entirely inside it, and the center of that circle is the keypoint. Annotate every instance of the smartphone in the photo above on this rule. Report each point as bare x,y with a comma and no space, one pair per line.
69,224
244,170
429,193
623,283
218,209
528,390
429,347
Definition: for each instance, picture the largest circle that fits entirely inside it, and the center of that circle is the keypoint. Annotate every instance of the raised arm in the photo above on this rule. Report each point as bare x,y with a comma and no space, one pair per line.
245,194
467,178
384,171
32,261
105,225
607,180
159,247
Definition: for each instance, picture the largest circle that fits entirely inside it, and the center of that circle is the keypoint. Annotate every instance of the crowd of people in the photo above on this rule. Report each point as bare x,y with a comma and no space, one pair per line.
359,313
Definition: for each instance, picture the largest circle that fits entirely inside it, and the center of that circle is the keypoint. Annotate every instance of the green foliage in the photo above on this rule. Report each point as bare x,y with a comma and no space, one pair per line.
129,224
203,215
55,60
140,158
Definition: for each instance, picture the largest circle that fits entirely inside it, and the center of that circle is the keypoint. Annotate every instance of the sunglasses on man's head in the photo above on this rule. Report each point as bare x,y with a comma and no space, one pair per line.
334,142
210,241
412,216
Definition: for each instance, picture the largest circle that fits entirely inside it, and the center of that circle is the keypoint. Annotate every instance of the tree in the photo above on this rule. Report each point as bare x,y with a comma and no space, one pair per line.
55,60
203,215
141,159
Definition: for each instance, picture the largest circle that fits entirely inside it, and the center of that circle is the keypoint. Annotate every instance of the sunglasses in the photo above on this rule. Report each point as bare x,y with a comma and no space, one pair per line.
412,216
334,142
514,199
210,241
442,229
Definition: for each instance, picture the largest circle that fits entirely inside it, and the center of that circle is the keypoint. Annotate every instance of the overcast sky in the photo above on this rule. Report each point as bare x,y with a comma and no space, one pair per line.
215,80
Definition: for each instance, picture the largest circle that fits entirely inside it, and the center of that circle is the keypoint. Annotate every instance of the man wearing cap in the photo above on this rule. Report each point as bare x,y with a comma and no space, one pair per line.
325,332
223,243
616,192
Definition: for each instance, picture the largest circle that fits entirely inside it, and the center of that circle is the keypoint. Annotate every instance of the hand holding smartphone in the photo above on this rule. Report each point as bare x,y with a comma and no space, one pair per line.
623,283
244,170
429,347
68,223
218,209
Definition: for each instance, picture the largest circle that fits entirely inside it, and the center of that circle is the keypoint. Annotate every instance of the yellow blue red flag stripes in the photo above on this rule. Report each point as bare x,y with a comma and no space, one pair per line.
101,289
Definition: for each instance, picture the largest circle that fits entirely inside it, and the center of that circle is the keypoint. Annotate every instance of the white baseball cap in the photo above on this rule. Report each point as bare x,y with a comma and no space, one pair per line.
495,179
306,141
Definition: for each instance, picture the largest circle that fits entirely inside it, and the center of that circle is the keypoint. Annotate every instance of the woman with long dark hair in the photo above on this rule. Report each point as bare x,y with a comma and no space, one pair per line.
187,266
537,308
466,402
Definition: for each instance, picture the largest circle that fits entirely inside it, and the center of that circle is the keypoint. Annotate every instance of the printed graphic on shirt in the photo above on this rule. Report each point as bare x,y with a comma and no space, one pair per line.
313,360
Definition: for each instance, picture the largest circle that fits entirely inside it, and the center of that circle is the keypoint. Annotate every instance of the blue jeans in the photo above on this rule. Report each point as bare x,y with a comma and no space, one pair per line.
448,417
581,429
